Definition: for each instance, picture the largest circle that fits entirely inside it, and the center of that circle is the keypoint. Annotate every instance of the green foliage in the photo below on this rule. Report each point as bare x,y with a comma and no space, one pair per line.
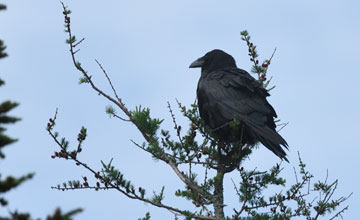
4,141
11,182
57,215
142,119
147,216
5,107
83,80
4,119
256,206
148,126
66,216
2,50
77,64
71,40
66,11
110,110
158,197
8,183
112,175
198,146
188,215
82,135
258,69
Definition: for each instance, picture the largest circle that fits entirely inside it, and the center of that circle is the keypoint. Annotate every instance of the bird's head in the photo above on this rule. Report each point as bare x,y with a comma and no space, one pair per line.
214,60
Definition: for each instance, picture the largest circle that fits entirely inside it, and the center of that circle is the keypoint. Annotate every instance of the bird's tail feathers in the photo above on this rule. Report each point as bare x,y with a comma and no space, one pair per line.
270,139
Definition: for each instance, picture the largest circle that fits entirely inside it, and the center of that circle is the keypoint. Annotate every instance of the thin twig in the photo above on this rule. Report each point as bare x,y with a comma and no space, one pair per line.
283,125
80,41
187,181
272,55
123,119
236,189
339,213
178,129
109,80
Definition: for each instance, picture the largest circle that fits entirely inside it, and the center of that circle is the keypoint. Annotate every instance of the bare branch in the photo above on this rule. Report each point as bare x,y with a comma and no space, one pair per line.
109,80
283,125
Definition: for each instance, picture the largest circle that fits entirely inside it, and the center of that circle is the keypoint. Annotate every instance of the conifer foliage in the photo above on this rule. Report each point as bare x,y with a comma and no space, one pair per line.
8,183
199,160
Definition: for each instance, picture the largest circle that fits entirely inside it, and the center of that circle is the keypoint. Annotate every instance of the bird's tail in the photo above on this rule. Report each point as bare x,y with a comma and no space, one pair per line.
270,139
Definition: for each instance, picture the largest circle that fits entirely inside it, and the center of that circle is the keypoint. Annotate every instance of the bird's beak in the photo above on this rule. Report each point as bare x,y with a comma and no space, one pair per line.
197,63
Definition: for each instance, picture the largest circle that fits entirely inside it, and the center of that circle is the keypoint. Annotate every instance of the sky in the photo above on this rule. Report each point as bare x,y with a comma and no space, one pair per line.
146,48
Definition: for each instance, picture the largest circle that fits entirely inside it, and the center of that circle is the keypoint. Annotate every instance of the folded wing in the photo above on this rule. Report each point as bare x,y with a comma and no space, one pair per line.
229,94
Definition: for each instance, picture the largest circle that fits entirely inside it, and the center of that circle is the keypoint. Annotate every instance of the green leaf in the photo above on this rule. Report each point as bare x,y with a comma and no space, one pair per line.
147,216
157,198
144,122
83,80
110,110
244,33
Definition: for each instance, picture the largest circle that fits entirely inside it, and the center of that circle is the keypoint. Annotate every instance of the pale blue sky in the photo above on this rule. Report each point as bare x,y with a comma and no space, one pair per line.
146,47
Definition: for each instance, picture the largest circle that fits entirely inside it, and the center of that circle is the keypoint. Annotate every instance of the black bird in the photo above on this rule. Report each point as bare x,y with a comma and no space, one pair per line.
229,96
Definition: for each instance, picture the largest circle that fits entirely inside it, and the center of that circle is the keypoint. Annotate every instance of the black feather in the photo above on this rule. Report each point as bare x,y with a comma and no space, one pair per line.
226,94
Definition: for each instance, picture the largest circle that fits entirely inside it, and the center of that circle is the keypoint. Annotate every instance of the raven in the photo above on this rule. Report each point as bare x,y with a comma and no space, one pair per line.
233,104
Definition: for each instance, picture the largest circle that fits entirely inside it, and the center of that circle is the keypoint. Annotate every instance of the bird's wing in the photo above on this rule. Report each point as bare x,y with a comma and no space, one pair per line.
234,94
231,94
